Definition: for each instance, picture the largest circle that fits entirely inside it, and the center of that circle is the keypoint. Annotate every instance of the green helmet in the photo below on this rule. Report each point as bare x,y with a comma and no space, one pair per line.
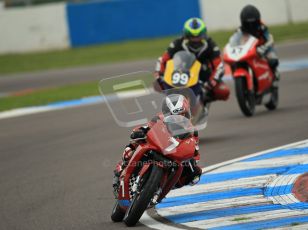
194,27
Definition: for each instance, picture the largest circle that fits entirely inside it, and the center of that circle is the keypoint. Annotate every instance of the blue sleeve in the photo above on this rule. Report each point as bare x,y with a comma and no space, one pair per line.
266,33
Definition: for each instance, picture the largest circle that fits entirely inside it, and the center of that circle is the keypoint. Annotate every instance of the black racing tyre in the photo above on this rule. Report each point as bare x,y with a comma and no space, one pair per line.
141,201
273,103
245,99
117,214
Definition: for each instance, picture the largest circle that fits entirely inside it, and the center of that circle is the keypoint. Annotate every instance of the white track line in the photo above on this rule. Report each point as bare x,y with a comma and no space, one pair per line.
152,223
303,145
23,111
83,102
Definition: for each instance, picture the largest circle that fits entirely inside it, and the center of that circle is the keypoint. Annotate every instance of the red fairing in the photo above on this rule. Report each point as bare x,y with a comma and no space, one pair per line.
259,66
226,58
251,54
160,141
159,137
184,151
263,74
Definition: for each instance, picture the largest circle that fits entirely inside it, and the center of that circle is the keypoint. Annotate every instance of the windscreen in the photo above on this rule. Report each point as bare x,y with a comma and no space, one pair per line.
239,39
183,60
179,126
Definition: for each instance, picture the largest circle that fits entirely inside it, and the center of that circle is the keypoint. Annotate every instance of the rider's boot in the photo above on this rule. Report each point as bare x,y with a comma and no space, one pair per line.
195,180
116,178
196,175
208,97
127,155
273,63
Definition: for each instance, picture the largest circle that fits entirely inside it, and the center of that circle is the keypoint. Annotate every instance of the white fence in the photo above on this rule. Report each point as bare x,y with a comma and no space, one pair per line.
33,28
45,27
224,14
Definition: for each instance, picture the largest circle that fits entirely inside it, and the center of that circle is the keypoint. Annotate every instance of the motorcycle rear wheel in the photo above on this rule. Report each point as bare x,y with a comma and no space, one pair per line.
141,201
272,105
245,99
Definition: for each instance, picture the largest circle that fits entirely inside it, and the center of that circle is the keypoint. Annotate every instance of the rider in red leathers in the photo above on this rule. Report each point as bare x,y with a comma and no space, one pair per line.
196,41
173,104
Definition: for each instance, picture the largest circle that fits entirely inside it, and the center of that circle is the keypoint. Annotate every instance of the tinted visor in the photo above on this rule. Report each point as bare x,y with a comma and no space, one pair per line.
251,27
186,114
195,39
195,42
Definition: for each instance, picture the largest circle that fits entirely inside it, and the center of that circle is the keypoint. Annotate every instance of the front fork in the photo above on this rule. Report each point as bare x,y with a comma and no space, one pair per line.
247,74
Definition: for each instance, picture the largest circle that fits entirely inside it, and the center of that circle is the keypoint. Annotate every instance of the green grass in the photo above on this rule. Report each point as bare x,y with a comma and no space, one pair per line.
290,32
90,55
124,51
45,96
49,95
241,218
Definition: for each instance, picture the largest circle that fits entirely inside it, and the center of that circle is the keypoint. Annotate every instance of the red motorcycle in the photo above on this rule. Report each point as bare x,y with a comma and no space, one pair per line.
252,74
155,168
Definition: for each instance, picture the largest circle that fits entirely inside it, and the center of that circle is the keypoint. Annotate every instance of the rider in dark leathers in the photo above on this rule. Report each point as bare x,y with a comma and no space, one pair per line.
251,23
196,41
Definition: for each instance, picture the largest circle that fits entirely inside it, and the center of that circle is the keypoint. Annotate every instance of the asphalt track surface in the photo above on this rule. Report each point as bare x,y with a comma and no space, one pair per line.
56,167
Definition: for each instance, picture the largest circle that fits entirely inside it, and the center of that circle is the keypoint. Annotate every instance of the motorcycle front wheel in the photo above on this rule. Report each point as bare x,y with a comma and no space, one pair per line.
245,98
117,214
142,200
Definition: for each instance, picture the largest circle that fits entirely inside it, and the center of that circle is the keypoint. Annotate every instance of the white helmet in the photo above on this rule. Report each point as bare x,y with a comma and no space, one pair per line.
176,104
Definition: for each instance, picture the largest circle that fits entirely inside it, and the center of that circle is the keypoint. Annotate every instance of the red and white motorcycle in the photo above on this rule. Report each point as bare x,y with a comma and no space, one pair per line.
253,77
155,168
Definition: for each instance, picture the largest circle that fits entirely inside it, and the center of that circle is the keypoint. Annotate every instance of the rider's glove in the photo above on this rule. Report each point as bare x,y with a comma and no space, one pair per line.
261,50
157,74
211,84
158,83
137,134
127,154
140,133
209,87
